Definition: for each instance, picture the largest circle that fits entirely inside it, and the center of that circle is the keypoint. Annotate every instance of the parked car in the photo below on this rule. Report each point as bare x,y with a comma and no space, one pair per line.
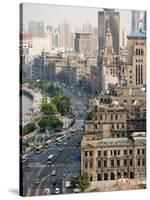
57,191
37,182
53,172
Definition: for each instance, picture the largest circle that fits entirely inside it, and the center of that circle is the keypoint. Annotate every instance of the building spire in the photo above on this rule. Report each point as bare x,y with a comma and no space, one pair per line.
108,27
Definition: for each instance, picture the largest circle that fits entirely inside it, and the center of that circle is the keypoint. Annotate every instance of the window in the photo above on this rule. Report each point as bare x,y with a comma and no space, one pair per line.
117,125
105,176
112,163
131,162
138,151
105,163
125,162
111,152
122,125
116,117
118,152
138,162
115,152
105,153
112,176
91,153
99,163
86,164
101,117
118,163
91,178
86,153
130,151
99,153
99,177
143,151
111,117
91,164
143,162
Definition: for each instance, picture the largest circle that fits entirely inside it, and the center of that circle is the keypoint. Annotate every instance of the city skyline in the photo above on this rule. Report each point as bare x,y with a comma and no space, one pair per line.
89,14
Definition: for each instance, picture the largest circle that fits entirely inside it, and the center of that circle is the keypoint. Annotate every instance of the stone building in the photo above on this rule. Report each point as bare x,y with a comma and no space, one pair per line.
113,146
135,70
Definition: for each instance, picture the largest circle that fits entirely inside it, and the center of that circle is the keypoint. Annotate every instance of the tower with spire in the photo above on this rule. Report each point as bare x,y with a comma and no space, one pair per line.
109,68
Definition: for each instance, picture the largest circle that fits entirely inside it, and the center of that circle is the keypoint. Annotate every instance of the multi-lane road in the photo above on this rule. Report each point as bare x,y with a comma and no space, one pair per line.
66,163
37,174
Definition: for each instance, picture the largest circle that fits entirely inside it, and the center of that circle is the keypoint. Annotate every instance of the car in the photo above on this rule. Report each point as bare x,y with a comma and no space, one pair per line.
37,182
60,150
53,172
46,191
57,191
76,190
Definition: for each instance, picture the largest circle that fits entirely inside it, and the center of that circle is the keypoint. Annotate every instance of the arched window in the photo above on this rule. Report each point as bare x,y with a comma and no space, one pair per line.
99,177
91,178
105,176
125,175
131,175
112,176
118,175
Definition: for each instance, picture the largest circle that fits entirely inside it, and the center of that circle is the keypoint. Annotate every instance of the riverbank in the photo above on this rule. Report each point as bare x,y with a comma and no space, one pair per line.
34,109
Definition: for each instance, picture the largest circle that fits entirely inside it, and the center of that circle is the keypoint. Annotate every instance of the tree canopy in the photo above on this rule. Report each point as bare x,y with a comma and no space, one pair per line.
48,108
62,103
49,121
82,181
28,128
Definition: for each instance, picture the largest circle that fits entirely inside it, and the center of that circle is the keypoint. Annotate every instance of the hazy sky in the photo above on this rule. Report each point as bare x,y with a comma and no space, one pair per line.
76,16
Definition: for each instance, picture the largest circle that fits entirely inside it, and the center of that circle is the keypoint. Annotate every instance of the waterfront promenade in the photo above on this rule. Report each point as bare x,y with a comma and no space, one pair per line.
34,109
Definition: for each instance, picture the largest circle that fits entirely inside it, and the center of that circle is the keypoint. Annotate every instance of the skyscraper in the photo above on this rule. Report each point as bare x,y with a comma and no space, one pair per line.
64,34
114,22
83,43
37,29
124,37
138,21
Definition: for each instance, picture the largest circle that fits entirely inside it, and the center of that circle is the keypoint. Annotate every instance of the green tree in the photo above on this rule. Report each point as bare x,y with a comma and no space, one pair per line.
49,121
83,181
74,181
49,108
62,103
28,128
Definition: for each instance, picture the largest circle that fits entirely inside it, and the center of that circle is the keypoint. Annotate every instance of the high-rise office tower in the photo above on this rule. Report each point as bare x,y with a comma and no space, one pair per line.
64,34
114,22
135,21
83,43
87,27
124,37
37,29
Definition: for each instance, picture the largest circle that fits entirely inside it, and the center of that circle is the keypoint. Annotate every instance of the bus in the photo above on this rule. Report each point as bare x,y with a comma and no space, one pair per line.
39,149
60,138
50,159
73,131
48,143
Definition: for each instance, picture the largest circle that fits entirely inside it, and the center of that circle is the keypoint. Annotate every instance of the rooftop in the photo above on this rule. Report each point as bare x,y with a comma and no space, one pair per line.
141,34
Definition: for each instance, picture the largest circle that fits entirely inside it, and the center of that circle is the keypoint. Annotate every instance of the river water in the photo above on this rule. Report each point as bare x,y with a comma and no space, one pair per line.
26,103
